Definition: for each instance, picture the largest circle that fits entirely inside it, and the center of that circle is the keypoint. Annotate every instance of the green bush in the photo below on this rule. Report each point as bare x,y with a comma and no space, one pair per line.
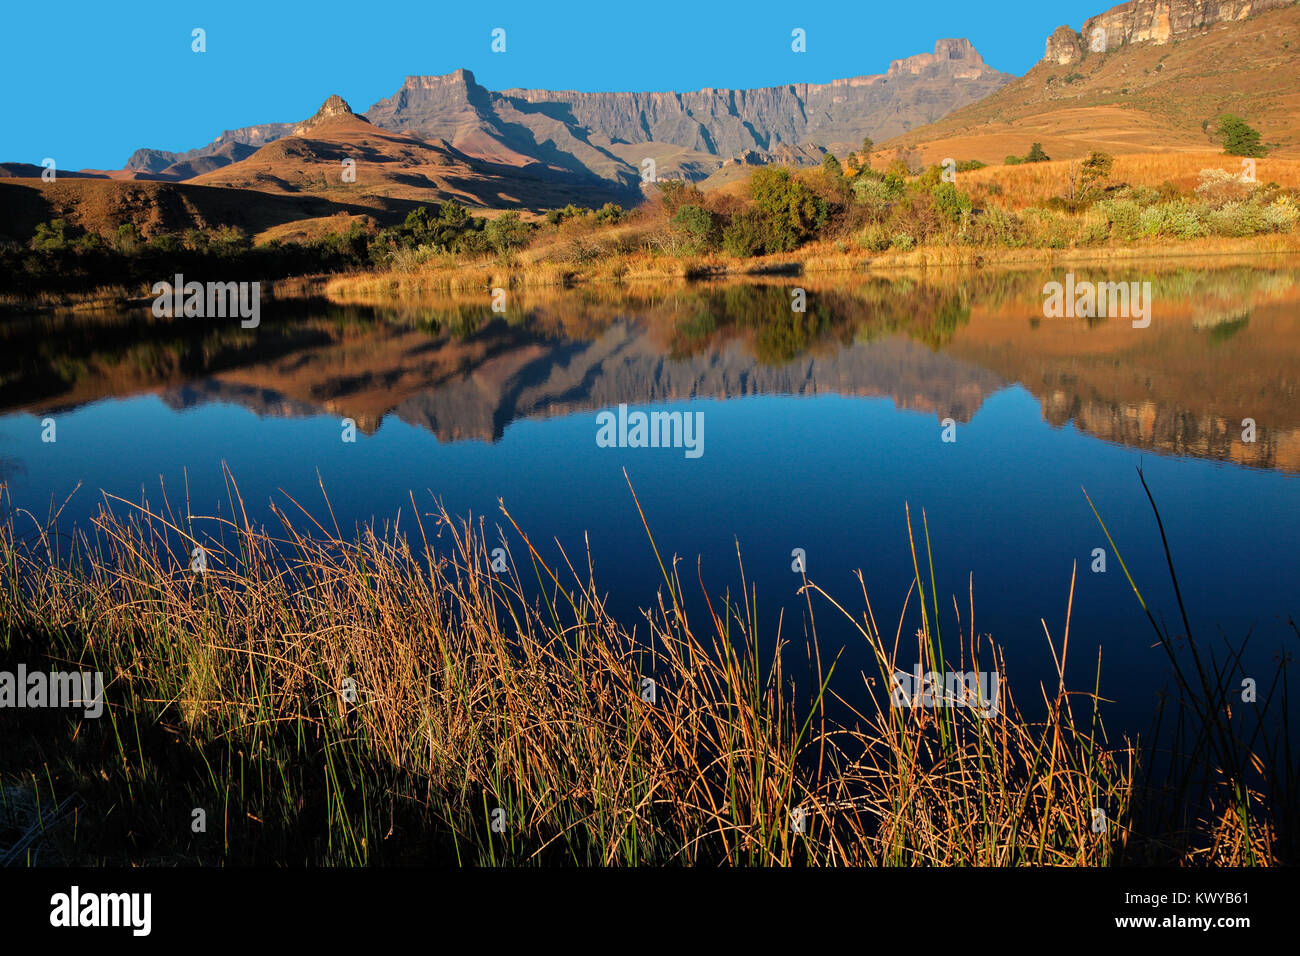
950,201
699,225
902,242
1123,216
873,239
52,236
875,196
996,226
507,232
610,214
1240,219
746,234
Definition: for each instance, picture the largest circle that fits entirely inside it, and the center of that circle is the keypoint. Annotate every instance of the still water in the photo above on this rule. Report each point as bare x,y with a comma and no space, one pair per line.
817,430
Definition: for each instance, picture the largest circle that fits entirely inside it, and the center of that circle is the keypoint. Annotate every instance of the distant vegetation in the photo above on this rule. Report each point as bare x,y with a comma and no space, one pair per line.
1035,155
845,206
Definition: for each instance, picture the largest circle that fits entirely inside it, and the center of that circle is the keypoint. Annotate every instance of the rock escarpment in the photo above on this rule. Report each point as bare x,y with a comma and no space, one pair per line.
1149,21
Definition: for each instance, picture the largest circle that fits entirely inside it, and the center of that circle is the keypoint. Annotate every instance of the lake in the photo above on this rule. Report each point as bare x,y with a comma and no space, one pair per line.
946,392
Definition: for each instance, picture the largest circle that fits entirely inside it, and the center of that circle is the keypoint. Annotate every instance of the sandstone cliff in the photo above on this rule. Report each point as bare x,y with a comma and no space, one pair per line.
1150,21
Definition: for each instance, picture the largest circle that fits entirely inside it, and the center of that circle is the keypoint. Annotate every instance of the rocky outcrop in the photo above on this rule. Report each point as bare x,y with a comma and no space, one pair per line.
1063,46
1149,21
332,107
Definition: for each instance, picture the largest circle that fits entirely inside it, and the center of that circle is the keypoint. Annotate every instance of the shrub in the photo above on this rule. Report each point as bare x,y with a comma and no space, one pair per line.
52,236
129,242
675,193
507,232
746,234
1122,215
698,225
610,214
1036,154
873,239
1240,219
1218,186
902,242
875,196
1093,228
1283,213
950,202
996,226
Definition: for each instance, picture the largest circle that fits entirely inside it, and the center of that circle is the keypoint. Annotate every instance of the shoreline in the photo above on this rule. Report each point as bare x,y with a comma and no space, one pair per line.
815,259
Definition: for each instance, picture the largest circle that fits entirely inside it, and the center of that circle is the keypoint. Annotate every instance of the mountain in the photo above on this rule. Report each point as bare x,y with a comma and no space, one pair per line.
230,146
394,165
571,136
1170,68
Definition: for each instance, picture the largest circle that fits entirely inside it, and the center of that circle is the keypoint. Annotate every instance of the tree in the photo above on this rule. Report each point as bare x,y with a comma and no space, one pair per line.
831,167
1036,154
51,236
1239,139
867,146
793,212
1097,167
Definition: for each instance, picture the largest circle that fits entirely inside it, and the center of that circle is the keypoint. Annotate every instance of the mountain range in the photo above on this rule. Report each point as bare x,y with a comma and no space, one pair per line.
606,136
1169,68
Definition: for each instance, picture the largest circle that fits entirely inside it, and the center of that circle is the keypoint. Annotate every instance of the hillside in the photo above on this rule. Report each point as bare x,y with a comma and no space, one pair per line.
101,205
1162,91
394,166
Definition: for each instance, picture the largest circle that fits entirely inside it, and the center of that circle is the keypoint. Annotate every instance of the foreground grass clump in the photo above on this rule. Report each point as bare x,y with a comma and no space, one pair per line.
390,697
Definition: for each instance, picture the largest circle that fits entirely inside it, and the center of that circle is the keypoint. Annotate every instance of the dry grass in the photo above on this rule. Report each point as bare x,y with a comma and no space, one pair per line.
1032,184
476,690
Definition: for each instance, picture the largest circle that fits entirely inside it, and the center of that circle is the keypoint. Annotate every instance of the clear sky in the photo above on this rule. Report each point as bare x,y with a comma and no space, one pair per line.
87,83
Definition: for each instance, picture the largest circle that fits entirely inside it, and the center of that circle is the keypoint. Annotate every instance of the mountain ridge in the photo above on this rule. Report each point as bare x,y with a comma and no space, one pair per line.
594,134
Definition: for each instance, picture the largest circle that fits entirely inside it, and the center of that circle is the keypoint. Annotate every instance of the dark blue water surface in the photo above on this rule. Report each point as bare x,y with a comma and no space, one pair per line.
821,447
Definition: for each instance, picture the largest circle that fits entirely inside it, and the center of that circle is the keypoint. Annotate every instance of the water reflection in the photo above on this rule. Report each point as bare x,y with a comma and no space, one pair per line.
1224,346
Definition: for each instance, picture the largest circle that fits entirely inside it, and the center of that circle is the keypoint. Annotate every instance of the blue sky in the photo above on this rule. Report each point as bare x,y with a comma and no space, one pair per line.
88,83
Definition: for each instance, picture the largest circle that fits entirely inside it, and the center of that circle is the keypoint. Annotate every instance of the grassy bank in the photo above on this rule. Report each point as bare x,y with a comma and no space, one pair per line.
389,697
821,258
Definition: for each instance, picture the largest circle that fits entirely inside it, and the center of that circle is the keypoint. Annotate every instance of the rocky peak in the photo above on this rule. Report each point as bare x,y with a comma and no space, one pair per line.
332,107
1151,21
957,58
